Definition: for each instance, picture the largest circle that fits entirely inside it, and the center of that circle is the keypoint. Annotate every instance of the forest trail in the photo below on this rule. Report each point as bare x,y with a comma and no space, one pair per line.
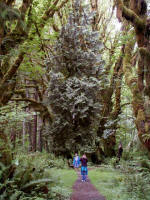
85,191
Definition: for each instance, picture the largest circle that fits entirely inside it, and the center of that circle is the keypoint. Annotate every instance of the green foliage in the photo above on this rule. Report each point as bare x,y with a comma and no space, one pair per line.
13,113
67,178
8,13
30,176
75,66
113,162
109,182
128,179
137,177
60,193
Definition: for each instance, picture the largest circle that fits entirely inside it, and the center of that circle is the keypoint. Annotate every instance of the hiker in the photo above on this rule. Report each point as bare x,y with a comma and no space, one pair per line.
84,170
76,162
120,150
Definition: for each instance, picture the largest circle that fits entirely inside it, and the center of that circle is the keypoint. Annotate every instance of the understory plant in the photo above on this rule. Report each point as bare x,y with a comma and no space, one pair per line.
137,178
29,177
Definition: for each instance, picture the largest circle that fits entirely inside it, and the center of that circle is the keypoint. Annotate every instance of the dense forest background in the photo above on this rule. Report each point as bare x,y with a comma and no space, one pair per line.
74,77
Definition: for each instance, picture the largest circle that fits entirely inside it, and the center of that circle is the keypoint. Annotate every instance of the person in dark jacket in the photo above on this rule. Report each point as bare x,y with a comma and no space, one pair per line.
120,151
84,170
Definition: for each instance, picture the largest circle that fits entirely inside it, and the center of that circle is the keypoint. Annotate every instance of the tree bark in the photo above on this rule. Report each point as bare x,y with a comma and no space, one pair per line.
40,130
23,132
34,134
140,87
30,135
13,137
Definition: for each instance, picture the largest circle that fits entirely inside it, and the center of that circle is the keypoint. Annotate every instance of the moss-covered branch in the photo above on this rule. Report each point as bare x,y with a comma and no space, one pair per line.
8,83
127,63
37,106
13,69
130,15
51,11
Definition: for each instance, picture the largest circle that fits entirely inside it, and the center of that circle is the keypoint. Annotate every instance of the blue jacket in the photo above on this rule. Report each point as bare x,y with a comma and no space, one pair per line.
78,161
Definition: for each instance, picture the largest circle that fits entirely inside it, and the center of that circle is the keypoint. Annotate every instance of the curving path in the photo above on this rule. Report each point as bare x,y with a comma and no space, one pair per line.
85,191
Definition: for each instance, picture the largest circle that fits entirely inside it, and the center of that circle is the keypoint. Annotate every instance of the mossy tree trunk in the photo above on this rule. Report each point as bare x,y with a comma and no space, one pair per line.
135,12
5,151
8,71
112,113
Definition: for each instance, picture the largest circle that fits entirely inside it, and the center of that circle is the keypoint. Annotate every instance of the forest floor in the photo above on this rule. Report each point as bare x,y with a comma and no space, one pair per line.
85,191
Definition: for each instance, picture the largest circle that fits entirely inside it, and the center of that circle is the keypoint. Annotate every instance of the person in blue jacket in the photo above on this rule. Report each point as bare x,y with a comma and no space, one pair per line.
76,162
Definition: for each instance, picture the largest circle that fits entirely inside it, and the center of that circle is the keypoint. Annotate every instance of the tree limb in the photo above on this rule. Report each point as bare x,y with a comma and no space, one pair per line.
37,106
131,15
13,69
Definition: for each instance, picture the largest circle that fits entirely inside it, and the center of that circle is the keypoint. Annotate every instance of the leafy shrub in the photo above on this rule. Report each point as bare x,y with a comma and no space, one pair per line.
114,162
126,155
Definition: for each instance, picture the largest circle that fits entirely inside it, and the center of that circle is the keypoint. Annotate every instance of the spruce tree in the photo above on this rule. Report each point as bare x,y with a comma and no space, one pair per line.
76,68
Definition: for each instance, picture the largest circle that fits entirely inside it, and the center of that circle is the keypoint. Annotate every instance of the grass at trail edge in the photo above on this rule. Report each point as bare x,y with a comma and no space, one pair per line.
109,182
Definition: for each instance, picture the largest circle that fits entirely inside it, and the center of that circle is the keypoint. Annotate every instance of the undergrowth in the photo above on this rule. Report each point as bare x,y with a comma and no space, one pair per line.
34,176
137,178
109,182
127,180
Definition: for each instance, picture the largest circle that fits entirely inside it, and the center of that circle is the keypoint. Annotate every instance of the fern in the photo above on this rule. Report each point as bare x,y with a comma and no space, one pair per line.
16,195
8,13
36,182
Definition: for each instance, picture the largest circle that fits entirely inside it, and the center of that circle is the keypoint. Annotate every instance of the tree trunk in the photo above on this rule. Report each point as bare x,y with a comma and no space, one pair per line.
34,134
29,124
46,146
23,132
109,145
40,130
13,137
140,87
6,156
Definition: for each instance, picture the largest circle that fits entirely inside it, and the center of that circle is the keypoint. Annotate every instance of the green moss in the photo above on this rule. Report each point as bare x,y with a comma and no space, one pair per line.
140,115
146,127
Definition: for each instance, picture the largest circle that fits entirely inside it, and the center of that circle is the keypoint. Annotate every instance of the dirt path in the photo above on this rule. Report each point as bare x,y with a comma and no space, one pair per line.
85,191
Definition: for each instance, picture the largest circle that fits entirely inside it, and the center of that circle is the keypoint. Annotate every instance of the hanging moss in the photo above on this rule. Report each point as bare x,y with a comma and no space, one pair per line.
141,115
147,127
